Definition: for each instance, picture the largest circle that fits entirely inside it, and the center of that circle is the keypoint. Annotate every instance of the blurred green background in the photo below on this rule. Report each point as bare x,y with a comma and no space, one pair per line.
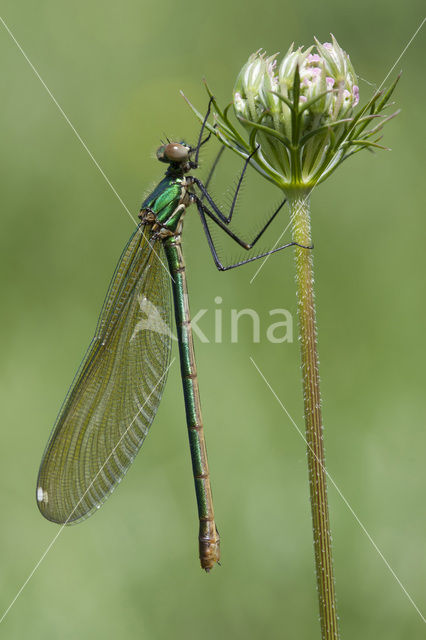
132,571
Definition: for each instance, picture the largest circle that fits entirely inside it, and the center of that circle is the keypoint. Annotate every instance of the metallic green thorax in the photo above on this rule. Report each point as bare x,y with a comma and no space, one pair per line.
164,201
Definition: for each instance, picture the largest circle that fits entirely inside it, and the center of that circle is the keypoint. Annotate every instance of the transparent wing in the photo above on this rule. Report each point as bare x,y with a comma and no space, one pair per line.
116,391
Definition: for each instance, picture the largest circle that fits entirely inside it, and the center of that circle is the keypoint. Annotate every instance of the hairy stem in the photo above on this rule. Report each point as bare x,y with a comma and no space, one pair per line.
301,228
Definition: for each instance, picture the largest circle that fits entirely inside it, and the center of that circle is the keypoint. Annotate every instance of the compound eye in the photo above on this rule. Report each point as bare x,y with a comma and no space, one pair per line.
176,152
160,154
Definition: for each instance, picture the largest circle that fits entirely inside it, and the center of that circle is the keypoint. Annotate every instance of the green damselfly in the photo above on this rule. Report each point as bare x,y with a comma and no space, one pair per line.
117,390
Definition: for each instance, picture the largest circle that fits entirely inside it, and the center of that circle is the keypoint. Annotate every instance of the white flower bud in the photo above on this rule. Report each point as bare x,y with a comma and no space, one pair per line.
299,114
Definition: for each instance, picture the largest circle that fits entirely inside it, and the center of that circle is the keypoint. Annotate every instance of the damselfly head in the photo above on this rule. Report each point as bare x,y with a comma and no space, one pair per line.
175,152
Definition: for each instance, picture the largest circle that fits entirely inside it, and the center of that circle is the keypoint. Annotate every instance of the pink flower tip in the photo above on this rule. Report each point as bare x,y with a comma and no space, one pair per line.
355,92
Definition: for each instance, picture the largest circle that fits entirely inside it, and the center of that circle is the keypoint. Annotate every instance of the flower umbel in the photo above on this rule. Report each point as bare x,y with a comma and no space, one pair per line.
298,114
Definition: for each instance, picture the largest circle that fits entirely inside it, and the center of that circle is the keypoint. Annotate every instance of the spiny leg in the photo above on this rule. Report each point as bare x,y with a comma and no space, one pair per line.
213,169
202,209
200,142
221,267
205,194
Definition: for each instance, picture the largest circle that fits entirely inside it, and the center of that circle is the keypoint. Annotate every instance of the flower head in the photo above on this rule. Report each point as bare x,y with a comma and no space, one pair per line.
299,115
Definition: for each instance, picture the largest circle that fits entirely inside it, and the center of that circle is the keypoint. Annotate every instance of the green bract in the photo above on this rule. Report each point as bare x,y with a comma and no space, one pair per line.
298,114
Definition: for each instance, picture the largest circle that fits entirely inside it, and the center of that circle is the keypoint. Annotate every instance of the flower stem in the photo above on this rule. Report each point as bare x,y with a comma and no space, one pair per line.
301,228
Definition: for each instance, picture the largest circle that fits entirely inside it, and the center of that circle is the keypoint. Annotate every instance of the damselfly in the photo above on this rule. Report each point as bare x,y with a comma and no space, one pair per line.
117,390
